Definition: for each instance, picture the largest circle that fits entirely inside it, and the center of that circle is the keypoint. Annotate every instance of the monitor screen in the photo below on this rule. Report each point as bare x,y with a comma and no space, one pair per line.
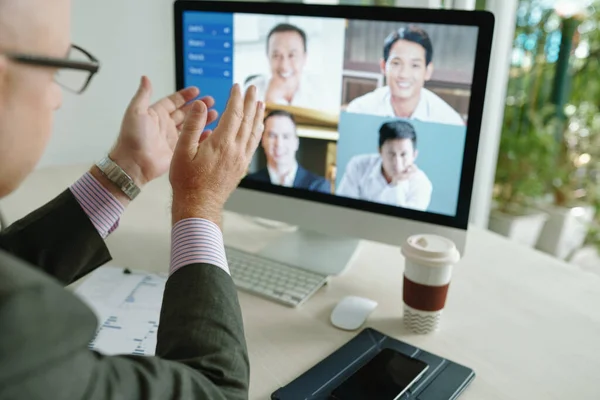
362,113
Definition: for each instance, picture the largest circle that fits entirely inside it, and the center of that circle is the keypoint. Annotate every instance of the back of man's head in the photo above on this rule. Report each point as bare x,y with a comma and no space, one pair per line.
283,28
397,129
411,33
38,28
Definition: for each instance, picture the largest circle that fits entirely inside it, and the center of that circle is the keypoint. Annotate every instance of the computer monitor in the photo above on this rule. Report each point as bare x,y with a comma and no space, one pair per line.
374,115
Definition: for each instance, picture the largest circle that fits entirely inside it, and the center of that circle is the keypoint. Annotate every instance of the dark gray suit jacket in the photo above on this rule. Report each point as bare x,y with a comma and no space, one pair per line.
304,180
45,330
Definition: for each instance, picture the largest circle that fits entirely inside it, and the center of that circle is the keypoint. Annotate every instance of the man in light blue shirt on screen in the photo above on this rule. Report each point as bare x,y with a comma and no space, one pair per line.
407,65
390,177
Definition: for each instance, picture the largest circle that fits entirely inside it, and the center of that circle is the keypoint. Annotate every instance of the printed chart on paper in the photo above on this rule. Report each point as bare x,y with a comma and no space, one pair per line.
127,307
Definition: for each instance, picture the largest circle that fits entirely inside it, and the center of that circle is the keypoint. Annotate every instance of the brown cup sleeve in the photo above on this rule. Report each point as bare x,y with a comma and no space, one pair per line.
424,298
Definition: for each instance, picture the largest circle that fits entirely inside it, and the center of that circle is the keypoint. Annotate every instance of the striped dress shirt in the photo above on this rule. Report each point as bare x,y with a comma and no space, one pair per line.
193,240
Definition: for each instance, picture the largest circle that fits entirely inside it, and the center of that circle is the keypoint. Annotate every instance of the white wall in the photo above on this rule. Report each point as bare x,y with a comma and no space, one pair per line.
130,38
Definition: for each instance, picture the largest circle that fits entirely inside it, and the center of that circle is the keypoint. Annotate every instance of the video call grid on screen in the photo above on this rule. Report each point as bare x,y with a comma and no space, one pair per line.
329,75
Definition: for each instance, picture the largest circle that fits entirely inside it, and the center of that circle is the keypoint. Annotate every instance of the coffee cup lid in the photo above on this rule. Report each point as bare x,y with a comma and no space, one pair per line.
432,250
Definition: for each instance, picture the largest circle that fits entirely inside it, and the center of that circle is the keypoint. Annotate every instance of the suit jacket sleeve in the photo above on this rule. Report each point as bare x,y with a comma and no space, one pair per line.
200,341
201,351
46,331
58,238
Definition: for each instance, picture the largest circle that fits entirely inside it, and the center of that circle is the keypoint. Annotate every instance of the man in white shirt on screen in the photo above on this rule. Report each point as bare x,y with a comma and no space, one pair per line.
407,65
390,177
287,84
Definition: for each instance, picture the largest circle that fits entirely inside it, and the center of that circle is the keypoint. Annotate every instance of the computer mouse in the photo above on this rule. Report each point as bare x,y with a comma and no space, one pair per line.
351,312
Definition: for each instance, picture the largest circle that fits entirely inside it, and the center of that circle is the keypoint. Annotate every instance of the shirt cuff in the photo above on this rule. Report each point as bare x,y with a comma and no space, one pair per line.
197,241
102,208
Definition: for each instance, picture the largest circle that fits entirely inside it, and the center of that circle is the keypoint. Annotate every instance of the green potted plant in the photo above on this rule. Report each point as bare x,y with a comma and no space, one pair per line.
575,188
525,158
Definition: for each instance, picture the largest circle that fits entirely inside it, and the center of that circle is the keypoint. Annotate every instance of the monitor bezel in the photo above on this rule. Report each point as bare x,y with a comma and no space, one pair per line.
483,20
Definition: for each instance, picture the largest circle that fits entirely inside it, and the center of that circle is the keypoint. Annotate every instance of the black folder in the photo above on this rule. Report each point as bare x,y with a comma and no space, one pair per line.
444,379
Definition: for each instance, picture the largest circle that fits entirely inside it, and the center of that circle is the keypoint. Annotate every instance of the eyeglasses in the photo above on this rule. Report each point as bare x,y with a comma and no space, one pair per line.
75,71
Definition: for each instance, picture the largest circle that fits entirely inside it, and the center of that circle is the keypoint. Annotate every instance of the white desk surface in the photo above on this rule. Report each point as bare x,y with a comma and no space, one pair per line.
528,325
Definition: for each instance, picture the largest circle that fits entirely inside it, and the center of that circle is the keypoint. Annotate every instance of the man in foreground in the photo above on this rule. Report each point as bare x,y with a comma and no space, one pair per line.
44,329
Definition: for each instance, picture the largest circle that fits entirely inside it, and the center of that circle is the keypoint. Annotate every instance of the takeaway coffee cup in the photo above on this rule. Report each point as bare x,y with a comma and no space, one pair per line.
427,275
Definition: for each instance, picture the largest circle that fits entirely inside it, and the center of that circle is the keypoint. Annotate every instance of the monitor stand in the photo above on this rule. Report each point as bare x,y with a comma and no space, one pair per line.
312,251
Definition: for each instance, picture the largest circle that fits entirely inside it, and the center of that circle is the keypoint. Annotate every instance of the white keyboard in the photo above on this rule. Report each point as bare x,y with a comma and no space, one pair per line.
273,280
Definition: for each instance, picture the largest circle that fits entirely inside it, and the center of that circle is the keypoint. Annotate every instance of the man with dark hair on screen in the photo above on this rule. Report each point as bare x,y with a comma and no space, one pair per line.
391,176
280,142
407,64
287,83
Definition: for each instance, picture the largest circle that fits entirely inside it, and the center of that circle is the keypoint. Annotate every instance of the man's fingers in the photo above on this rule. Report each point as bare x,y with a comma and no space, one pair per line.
141,100
258,128
212,116
179,115
192,128
205,135
249,114
209,101
232,116
177,100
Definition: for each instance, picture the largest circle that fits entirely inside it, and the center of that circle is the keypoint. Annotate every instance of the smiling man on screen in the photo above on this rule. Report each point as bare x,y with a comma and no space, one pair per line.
281,142
407,64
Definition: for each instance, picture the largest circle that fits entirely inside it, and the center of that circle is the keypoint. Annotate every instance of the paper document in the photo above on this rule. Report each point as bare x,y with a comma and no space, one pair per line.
127,307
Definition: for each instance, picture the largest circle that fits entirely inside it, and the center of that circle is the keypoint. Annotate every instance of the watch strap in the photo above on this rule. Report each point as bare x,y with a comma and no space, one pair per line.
116,175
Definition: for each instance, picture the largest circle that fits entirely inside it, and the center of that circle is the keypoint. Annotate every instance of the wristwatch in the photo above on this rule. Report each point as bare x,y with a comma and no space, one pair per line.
116,175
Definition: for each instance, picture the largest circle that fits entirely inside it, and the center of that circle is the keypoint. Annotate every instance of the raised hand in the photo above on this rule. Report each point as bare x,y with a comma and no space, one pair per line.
280,89
207,166
149,133
408,173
